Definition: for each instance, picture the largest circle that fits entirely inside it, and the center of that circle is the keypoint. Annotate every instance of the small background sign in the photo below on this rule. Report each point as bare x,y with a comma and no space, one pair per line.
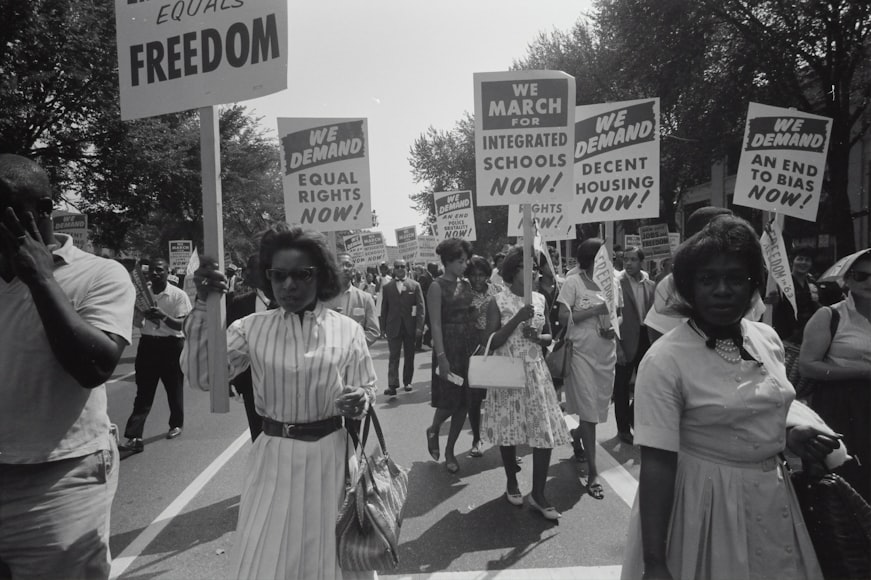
455,215
180,254
655,241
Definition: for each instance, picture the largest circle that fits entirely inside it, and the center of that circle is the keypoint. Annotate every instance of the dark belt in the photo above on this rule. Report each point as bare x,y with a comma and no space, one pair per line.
303,431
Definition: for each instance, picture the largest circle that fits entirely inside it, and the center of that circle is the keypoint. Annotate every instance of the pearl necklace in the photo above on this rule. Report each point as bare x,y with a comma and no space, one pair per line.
728,351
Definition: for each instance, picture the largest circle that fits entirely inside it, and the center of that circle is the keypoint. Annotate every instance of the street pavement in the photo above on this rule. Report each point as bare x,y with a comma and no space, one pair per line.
177,502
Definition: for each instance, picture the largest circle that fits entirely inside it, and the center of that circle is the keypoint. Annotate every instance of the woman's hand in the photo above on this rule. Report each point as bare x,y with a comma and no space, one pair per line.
810,443
524,314
352,402
209,279
444,366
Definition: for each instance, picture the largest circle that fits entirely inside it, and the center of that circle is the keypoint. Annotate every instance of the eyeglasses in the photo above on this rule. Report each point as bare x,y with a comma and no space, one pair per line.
731,280
859,276
400,267
301,275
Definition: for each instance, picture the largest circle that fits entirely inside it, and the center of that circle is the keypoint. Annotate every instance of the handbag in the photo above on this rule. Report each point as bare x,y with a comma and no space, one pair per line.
496,372
559,360
370,518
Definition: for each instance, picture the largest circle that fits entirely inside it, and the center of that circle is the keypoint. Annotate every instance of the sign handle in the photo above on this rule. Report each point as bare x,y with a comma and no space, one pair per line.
213,233
769,218
527,253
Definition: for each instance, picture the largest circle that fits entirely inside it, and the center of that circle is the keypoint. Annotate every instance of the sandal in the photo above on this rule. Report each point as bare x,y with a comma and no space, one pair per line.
476,450
596,490
432,444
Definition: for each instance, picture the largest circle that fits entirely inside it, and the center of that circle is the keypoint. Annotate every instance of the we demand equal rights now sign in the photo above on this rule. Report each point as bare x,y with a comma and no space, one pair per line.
186,54
325,173
524,136
782,161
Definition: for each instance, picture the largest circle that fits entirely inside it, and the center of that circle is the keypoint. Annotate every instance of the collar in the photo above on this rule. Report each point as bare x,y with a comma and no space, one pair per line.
318,312
64,253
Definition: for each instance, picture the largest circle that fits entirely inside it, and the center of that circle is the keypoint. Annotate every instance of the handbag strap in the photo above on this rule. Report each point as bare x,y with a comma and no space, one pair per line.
487,351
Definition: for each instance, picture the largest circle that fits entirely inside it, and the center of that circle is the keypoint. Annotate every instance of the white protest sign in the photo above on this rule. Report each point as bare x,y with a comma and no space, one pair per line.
655,241
392,254
616,161
74,225
354,247
175,56
325,172
783,158
406,241
189,286
673,241
180,254
603,276
455,215
777,262
631,241
524,137
553,223
426,249
374,248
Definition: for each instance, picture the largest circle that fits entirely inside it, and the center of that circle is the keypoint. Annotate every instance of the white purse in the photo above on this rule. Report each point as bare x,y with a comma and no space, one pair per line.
496,372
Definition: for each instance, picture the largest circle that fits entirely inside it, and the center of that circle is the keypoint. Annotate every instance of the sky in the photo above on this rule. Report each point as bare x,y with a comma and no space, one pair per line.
405,65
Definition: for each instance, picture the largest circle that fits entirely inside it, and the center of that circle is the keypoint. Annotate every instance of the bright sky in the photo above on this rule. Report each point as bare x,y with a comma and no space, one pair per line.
405,65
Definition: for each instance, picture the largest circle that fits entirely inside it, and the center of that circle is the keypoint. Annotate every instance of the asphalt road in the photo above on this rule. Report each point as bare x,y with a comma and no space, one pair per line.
177,502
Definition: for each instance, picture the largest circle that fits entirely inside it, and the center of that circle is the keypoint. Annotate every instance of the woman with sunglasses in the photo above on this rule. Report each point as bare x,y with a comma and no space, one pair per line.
841,364
311,369
711,402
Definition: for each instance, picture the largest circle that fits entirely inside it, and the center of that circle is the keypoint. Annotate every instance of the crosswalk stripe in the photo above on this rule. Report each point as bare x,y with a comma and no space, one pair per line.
571,573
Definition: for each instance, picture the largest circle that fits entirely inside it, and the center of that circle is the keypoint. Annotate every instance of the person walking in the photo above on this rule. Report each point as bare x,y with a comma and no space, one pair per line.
65,318
353,302
402,310
157,357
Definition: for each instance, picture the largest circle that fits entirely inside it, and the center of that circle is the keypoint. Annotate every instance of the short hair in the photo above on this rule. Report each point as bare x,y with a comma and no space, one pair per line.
478,264
587,251
634,250
452,249
512,264
313,244
702,217
432,268
498,258
728,235
22,181
805,251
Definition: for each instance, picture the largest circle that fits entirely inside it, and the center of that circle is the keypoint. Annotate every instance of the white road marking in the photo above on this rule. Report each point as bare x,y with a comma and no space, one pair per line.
138,545
121,378
620,480
572,573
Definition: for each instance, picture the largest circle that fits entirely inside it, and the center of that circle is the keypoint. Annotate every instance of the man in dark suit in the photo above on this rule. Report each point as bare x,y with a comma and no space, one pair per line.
637,288
424,278
403,311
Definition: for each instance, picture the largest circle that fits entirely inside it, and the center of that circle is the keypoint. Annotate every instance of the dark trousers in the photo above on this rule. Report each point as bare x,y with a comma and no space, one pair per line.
404,341
157,360
623,409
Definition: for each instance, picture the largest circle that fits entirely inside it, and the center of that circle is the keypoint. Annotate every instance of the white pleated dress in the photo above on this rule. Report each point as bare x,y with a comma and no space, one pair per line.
735,515
293,489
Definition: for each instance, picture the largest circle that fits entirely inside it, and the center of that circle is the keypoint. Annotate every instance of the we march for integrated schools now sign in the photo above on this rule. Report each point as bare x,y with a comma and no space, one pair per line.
185,54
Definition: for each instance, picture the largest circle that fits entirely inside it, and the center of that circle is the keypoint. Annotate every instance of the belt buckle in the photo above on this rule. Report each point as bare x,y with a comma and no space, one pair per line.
286,429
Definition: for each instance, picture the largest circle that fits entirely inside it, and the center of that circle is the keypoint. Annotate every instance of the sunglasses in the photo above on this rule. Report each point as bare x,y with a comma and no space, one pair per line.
859,276
301,275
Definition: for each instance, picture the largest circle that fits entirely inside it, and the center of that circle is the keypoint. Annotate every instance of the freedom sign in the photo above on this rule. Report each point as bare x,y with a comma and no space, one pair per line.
783,158
616,161
455,215
406,241
553,222
325,173
524,136
175,56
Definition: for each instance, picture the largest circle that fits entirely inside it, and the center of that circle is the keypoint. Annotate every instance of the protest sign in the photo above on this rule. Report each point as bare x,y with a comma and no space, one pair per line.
455,216
406,241
524,137
783,158
392,254
655,241
180,254
603,276
144,297
673,241
426,246
325,173
553,222
175,56
74,225
631,241
616,161
188,285
373,248
354,247
777,262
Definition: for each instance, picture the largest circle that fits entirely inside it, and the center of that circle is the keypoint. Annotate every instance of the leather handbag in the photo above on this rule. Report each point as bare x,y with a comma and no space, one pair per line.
559,360
370,518
496,372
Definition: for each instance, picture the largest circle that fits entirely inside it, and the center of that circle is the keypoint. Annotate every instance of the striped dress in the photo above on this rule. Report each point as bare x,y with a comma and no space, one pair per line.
292,489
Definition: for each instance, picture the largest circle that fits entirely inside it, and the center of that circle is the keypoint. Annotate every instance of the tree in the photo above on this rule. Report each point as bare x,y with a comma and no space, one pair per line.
445,161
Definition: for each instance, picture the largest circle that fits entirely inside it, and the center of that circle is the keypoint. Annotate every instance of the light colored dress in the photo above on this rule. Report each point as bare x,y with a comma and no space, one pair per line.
590,383
293,489
530,416
735,514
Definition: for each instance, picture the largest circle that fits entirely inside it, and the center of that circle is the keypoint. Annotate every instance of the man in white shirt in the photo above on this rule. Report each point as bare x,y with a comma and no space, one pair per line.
157,358
355,303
